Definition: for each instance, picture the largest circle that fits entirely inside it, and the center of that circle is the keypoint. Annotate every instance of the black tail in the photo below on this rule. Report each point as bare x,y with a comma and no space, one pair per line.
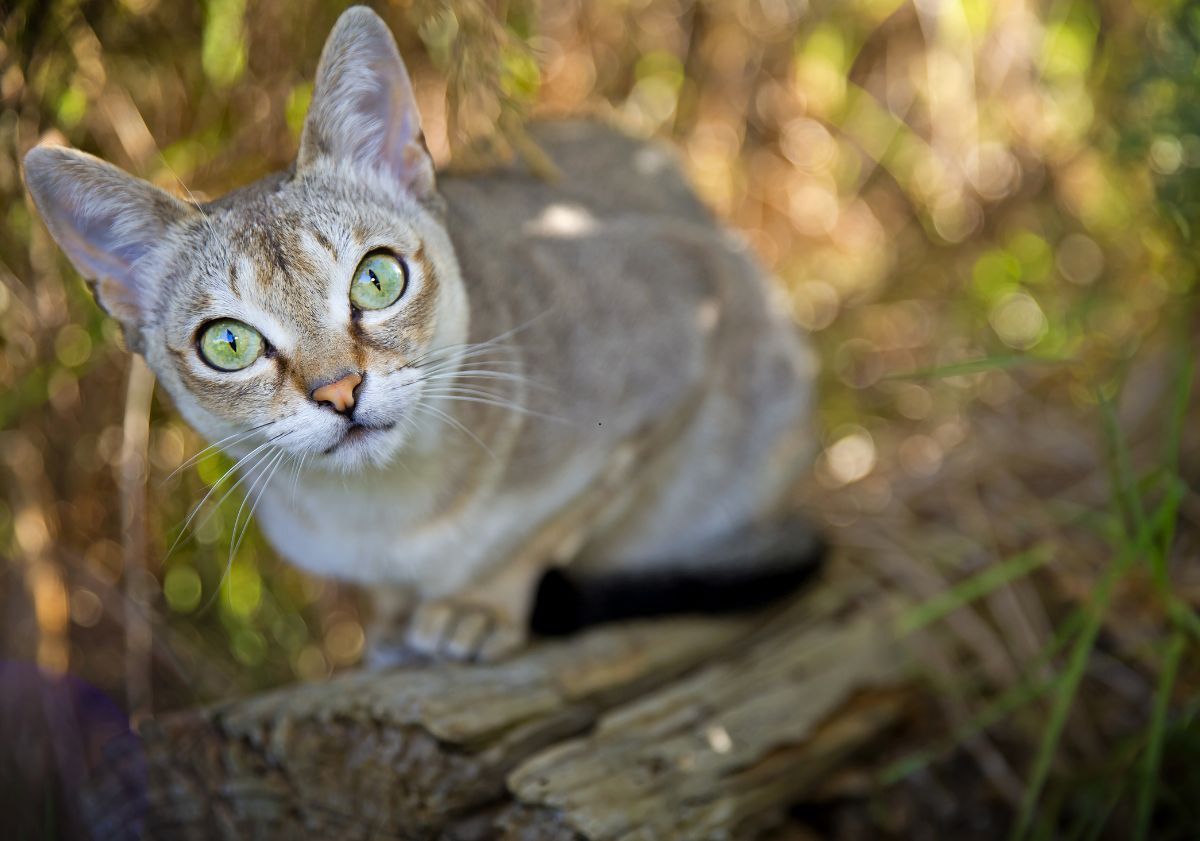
567,603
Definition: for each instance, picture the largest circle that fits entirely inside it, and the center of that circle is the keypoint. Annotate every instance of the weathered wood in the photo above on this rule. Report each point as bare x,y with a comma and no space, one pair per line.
687,728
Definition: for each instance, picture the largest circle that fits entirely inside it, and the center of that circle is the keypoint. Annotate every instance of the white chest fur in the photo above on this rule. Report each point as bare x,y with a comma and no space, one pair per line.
384,528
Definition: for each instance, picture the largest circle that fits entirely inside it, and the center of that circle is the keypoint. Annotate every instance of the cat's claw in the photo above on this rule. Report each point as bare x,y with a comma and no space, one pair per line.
466,631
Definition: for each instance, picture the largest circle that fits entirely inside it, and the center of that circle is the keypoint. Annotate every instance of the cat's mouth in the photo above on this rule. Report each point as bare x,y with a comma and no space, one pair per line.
357,432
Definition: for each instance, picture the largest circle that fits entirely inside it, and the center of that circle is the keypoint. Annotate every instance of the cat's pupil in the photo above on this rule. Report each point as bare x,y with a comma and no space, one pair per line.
374,280
231,339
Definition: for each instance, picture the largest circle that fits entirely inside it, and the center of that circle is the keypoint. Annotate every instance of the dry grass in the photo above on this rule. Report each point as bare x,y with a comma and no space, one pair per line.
982,211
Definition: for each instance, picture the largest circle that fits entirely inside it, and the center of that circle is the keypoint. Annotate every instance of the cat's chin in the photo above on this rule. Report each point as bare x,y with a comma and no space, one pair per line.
361,448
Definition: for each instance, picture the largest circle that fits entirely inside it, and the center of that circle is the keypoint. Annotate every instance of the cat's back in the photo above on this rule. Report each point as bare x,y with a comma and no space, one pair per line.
624,288
633,306
619,239
602,269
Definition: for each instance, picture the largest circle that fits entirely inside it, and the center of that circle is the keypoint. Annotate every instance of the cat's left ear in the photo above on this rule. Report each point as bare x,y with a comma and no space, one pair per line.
106,221
363,110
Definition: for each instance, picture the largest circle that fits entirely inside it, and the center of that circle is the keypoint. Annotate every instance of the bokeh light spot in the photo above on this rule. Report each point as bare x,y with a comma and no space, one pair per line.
72,345
344,642
850,458
1166,155
1018,321
244,587
182,588
86,608
1080,259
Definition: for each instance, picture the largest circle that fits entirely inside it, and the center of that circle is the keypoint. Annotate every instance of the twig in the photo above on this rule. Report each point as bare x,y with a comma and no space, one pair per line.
132,483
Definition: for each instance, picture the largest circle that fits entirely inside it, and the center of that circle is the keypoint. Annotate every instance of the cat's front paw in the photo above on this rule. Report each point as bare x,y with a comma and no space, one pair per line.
456,629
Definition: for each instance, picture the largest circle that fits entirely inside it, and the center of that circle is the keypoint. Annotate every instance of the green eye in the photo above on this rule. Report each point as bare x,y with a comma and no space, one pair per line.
230,345
378,282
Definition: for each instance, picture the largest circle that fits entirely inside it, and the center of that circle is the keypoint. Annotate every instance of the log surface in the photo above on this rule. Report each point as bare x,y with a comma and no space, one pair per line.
681,728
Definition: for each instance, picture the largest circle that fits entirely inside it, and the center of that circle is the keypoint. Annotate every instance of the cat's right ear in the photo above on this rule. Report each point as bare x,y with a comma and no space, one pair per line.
105,220
363,111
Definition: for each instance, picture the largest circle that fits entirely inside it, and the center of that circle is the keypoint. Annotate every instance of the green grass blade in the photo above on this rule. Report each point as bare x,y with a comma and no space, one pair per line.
1068,682
1126,490
1184,616
1152,757
974,587
1067,687
1177,488
1024,692
1183,391
1000,362
1014,699
1095,827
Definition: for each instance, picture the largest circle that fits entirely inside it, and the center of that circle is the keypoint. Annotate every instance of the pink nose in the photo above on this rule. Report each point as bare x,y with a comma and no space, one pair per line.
340,394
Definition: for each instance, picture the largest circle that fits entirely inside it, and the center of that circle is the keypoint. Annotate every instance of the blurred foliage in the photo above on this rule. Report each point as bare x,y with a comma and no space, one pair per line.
983,212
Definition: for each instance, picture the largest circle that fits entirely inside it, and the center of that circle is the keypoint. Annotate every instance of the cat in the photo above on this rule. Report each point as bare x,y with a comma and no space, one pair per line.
467,379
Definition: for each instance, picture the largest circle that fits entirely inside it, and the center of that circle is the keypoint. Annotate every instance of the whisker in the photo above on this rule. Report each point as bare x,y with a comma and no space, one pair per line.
271,460
475,359
453,421
487,398
401,460
254,506
457,351
520,410
466,391
489,343
268,463
296,476
407,425
261,467
479,358
467,349
250,472
483,374
196,508
483,388
223,444
195,203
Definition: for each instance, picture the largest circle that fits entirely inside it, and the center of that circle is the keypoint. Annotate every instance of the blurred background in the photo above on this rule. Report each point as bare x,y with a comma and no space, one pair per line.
982,212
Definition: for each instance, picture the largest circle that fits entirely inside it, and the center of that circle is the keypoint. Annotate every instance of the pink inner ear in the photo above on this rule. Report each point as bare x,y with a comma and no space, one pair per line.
397,145
104,219
117,300
415,153
101,263
418,166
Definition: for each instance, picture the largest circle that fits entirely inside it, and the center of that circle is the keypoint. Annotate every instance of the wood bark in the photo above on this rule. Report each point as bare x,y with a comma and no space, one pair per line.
680,728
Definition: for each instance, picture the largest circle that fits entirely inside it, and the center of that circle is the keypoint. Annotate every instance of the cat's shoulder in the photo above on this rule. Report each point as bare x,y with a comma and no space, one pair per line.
601,170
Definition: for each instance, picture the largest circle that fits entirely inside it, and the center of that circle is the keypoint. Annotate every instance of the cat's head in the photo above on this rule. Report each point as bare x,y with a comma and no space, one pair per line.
294,310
